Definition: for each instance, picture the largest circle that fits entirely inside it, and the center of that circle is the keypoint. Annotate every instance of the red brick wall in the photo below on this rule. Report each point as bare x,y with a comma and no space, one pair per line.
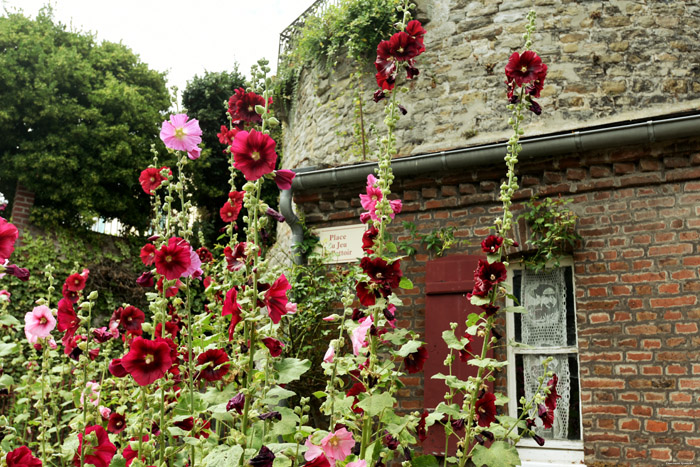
21,205
636,274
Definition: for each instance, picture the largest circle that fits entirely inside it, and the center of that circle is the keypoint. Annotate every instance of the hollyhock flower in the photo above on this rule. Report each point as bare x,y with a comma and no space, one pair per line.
367,296
186,424
486,409
546,415
151,178
283,179
180,133
254,154
534,107
360,463
145,280
231,307
241,106
421,430
116,423
337,445
217,364
4,295
491,244
274,214
100,453
194,153
359,335
171,329
147,360
329,355
273,345
403,47
129,453
319,461
102,335
265,458
131,318
276,299
20,273
39,322
173,259
205,255
8,237
236,403
490,274
66,317
537,85
312,451
523,68
226,136
22,457
75,282
148,254
414,361
92,390
552,396
465,354
353,392
270,416
390,442
415,29
229,212
373,194
170,291
368,239
382,273
195,268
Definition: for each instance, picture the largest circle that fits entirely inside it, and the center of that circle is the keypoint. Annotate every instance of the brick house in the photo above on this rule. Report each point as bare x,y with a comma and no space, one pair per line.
619,134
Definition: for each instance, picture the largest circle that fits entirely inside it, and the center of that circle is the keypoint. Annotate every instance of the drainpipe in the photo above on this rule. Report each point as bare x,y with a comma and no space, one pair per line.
293,221
458,159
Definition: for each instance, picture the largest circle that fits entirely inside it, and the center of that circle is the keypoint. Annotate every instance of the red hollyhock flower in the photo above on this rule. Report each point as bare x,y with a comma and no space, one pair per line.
421,431
382,273
490,274
353,392
546,415
236,403
320,461
147,360
145,280
524,68
486,409
403,47
416,31
75,282
551,400
491,244
70,295
205,255
148,254
151,179
170,291
117,369
66,317
538,84
218,364
254,154
414,361
368,239
173,259
241,106
276,299
273,345
236,257
232,207
100,453
22,457
20,273
171,329
116,423
129,454
131,319
226,136
365,294
8,237
283,179
231,307
465,353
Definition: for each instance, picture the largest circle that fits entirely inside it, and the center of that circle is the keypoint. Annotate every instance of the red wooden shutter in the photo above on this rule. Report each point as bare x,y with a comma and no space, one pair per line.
447,281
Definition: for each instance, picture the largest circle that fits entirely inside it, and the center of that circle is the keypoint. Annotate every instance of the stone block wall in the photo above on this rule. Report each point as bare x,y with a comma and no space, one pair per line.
636,275
608,62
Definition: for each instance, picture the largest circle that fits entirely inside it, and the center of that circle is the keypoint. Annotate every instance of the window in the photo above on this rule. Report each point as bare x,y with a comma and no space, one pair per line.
549,330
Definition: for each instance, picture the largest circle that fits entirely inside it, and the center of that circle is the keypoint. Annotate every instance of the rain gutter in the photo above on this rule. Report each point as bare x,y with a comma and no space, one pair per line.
457,159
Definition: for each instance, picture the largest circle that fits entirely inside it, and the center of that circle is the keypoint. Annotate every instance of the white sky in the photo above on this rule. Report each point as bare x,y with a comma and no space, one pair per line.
182,37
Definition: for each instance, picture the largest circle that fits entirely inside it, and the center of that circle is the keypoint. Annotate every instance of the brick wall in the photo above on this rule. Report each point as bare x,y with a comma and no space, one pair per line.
21,205
636,274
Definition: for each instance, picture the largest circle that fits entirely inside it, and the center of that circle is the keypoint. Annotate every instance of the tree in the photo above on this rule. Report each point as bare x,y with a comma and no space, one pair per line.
77,121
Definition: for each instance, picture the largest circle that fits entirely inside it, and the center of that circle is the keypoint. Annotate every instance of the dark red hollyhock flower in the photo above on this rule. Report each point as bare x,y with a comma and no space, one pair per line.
147,360
353,392
524,68
99,454
414,361
236,403
491,244
70,345
151,179
20,273
145,280
131,319
265,458
75,282
173,259
241,106
551,400
465,353
69,295
217,364
367,296
273,345
236,257
546,415
390,442
368,239
66,317
534,107
275,215
457,424
226,135
276,299
486,409
116,368
403,47
416,31
283,179
490,309
22,457
380,272
148,254
186,424
538,84
254,154
421,431
490,274
320,461
231,307
129,454
170,291
102,335
270,415
171,329
8,237
116,423
205,255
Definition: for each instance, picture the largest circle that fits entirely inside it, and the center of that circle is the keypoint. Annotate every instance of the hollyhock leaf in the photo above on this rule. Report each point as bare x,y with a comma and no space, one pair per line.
6,381
405,283
487,363
9,320
479,301
320,394
287,425
425,461
376,403
451,340
390,247
291,369
493,258
409,348
7,349
276,394
223,455
499,453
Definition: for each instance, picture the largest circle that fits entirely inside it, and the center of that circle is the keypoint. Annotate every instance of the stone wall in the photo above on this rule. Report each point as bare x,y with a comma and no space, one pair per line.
636,275
608,62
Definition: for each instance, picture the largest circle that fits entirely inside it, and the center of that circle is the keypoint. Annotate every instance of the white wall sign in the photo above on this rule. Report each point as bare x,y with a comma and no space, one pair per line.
344,243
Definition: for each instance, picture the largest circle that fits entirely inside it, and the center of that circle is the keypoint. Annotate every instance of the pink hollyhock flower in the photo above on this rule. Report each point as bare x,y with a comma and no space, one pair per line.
359,335
330,354
337,445
147,360
4,295
39,322
254,154
194,154
8,237
92,391
22,457
312,451
360,463
180,133
276,299
195,269
283,179
273,345
291,307
374,194
105,412
173,259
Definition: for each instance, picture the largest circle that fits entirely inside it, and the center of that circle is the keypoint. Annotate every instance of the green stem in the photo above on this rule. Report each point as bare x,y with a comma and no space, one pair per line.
143,421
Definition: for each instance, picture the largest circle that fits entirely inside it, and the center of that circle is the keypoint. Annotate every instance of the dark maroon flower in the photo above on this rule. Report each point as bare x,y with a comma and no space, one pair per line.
457,424
205,255
145,280
116,423
492,273
366,295
236,403
534,107
99,454
217,364
524,68
490,309
403,47
270,415
276,299
414,361
390,442
421,430
546,415
186,424
273,345
382,273
173,259
538,439
265,458
551,400
22,457
131,319
147,360
20,273
353,392
538,84
102,335
486,409
275,215
415,29
116,368
241,106
491,244
368,239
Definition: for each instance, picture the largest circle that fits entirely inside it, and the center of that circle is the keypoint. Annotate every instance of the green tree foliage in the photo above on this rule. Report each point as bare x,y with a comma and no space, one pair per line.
77,120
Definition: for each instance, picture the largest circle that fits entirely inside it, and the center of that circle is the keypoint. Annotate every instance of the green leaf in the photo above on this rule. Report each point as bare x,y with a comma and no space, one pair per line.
405,283
425,461
500,453
118,461
376,403
6,380
409,348
288,424
223,455
479,301
9,320
8,349
472,319
390,247
493,258
515,309
451,340
276,394
487,363
320,394
291,369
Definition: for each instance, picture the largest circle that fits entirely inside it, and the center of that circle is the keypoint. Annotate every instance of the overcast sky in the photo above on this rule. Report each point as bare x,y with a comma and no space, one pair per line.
183,37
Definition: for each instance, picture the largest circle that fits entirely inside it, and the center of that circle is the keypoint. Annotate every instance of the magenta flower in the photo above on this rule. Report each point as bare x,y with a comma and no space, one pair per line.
39,322
254,154
337,445
283,179
276,299
8,237
181,134
359,335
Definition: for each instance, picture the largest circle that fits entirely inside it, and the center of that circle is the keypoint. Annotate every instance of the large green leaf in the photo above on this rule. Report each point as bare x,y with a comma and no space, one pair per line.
223,455
376,403
291,369
7,349
425,461
500,454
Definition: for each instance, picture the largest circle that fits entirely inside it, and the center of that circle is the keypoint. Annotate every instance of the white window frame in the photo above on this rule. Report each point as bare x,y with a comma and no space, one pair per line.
554,452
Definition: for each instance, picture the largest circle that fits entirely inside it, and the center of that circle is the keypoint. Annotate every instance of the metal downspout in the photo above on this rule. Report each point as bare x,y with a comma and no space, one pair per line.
294,223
